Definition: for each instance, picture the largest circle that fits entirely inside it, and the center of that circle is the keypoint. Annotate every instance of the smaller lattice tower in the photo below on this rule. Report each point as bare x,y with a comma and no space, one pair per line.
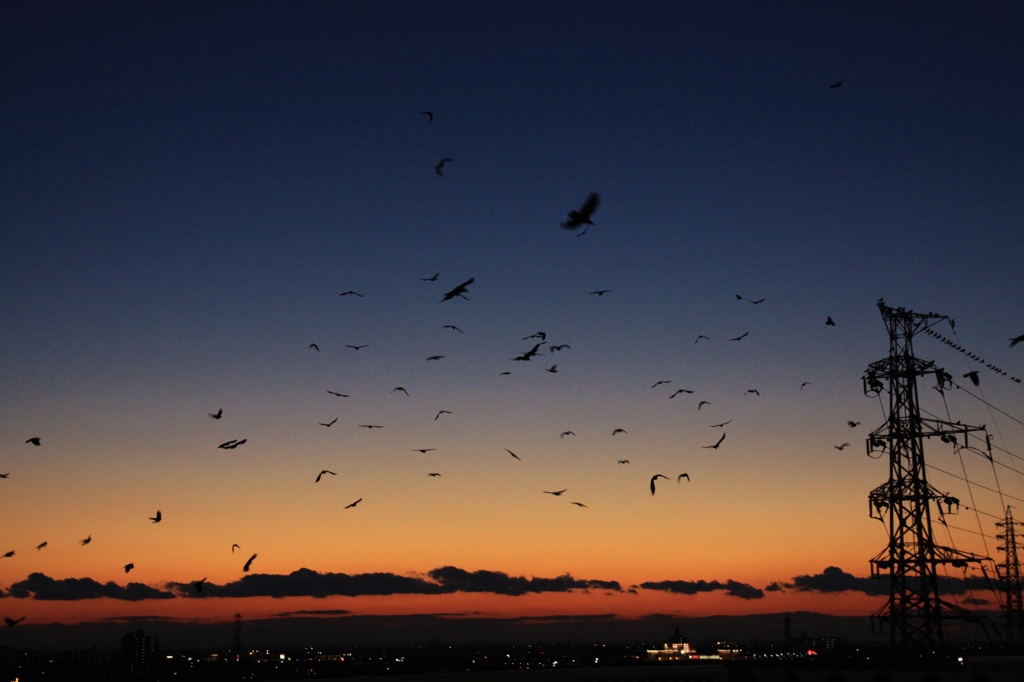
1009,575
236,645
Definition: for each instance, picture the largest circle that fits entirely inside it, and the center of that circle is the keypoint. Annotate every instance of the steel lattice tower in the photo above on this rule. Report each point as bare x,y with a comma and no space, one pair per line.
1009,574
914,612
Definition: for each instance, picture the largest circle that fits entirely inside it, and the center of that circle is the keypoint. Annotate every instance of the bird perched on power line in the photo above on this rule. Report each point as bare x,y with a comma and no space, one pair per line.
350,506
128,567
678,391
328,424
458,291
715,446
973,376
654,478
556,493
158,518
440,165
321,474
582,216
216,415
35,440
841,447
248,563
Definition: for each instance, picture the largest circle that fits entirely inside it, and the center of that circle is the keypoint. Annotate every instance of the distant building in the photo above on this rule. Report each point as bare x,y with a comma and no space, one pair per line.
675,649
136,652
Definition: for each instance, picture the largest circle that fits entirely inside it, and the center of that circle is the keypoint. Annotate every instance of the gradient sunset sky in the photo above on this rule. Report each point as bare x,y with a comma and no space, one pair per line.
187,189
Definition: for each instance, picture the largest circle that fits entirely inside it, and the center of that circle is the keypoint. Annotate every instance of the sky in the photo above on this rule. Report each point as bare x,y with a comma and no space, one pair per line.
187,189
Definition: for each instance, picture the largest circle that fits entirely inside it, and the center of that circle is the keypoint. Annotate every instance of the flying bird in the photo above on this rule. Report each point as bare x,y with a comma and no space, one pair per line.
197,585
128,567
582,216
325,471
440,412
829,322
752,390
618,431
566,433
231,444
459,290
716,426
840,447
659,383
400,388
158,518
600,292
654,478
853,425
559,347
8,555
429,114
433,474
351,293
835,85
553,369
335,393
315,347
248,563
512,453
423,451
539,335
12,622
371,426
41,545
682,476
702,404
525,357
623,461
86,541
580,504
681,390
501,374
701,337
556,493
973,376
440,165
5,475
356,347
740,337
35,441
435,357
349,506
452,326
430,279
216,415
1015,340
740,298
806,383
328,424
715,446
234,547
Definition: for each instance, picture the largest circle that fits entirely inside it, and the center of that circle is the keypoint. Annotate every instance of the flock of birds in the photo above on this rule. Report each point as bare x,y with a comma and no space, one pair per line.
577,218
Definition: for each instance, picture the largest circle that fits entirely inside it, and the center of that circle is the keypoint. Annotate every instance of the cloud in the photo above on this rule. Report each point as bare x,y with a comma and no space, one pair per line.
731,587
774,587
834,579
44,588
314,612
458,580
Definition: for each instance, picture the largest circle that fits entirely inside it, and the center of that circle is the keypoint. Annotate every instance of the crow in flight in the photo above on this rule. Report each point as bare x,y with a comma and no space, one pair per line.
356,347
248,563
580,504
752,390
806,383
435,357
1015,340
315,347
216,415
452,326
525,357
41,545
559,347
835,85
35,441
618,431
702,404
566,433
600,292
5,475
335,393
623,461
740,337
86,541
231,444
556,493
716,426
459,290
128,567
840,447
853,425
501,374
512,453
371,426
12,622
430,279
582,216
553,369
440,165
740,298
8,555
715,446
440,412
429,114
659,383
682,476
701,337
328,424
681,390
400,388
973,376
539,335
829,322
234,547
351,293
325,471
349,506
423,451
433,474
158,518
654,478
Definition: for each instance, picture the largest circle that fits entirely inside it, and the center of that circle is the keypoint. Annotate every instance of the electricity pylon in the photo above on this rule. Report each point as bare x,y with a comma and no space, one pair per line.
914,612
1009,575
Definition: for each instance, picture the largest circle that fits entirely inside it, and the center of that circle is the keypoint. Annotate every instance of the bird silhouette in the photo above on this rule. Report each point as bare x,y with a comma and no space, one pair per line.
351,293
553,369
835,85
371,426
600,292
216,415
701,337
429,114
8,555
829,322
840,447
231,444
86,541
682,476
740,337
458,291
716,426
435,357
1015,340
423,451
35,441
440,412
452,326
440,165
973,376
559,347
349,506
580,504
525,357
582,216
335,393
806,383
618,431
433,474
400,388
328,424
852,424
659,383
654,478
128,567
501,374
248,563
325,471
754,391
512,453
356,347
715,446
158,518
11,622
623,461
41,545
315,347
539,335
430,279
197,585
740,298
681,390
702,404
556,493
234,547
566,433
5,475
